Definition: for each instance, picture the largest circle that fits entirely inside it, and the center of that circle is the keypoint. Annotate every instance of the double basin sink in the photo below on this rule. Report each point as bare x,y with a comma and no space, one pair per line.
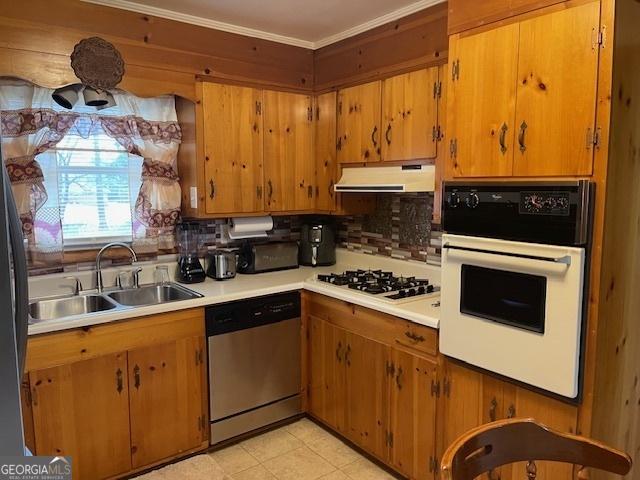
91,303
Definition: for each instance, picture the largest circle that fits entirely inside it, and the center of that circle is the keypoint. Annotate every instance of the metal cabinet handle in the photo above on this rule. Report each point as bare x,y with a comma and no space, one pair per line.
259,192
521,137
270,184
503,135
331,189
387,134
310,191
492,409
414,337
212,192
119,382
511,413
347,356
136,376
338,352
399,378
373,136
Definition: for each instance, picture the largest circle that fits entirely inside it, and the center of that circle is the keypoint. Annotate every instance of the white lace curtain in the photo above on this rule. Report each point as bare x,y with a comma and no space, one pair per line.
31,123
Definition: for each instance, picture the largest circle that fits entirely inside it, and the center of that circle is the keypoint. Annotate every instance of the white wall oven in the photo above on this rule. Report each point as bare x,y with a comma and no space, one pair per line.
514,270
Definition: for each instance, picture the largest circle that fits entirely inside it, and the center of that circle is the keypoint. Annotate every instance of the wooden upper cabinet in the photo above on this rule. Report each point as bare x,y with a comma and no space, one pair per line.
467,14
288,152
325,150
409,115
522,98
557,79
359,133
82,410
233,142
481,102
166,400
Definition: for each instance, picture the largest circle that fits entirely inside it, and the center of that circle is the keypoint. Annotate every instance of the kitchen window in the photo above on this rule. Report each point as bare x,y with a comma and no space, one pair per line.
94,182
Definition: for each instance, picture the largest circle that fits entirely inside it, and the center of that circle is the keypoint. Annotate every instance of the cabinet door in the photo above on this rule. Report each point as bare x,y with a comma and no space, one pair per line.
359,133
288,152
367,393
522,403
557,80
166,400
481,102
232,148
325,150
82,410
409,105
327,392
413,415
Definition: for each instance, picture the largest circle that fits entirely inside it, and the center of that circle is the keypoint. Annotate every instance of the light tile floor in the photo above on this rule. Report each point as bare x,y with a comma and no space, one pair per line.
299,451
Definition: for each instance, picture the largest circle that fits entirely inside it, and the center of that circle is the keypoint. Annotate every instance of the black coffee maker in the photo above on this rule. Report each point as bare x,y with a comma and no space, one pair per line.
318,241
189,267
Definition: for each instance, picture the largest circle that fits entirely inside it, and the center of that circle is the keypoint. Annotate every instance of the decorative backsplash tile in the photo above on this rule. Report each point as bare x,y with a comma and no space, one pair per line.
400,227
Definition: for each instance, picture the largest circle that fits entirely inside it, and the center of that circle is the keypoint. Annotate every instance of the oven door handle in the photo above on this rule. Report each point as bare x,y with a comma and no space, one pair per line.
565,260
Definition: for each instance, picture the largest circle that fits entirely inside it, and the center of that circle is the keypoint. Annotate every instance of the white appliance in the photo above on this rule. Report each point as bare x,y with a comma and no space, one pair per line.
402,179
513,280
514,308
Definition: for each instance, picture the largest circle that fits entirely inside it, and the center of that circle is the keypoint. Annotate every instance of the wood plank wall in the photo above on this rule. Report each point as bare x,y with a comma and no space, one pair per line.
165,56
37,37
409,43
616,404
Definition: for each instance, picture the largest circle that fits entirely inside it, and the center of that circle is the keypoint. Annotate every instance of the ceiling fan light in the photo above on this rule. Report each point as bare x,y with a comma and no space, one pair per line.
95,98
111,102
66,96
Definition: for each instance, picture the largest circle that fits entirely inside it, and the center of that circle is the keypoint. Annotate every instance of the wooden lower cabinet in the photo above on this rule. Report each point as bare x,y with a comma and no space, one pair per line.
119,397
365,386
472,398
413,414
166,400
82,410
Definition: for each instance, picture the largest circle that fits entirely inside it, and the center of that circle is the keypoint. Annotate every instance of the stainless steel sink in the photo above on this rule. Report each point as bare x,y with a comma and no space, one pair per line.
92,303
152,295
56,308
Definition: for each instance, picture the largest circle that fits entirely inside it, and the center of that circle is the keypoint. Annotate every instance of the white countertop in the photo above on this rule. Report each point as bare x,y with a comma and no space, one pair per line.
424,311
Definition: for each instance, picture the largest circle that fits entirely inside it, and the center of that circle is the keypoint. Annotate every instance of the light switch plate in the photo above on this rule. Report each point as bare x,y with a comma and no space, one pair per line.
193,195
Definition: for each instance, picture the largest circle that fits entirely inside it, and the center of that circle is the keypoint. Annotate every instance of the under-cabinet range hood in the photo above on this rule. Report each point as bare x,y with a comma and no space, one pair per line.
403,179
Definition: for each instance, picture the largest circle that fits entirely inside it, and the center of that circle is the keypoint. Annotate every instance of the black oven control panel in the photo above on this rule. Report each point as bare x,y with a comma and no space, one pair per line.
556,213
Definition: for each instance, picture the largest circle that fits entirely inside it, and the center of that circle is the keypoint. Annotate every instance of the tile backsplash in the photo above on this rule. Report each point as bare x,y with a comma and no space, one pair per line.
400,227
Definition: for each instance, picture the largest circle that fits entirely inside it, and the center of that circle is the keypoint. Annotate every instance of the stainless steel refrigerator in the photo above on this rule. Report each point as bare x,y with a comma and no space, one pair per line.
14,305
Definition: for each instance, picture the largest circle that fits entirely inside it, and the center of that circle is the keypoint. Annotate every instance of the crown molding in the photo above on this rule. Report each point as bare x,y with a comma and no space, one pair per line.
201,22
251,32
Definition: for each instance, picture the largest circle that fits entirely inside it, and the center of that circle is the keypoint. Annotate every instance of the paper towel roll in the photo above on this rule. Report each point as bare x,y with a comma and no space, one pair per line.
250,227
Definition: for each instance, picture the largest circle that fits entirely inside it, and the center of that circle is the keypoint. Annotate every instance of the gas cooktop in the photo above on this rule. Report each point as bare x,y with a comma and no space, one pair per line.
380,283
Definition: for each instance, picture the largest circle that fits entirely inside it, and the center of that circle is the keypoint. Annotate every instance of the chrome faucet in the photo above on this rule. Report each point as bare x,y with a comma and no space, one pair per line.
99,285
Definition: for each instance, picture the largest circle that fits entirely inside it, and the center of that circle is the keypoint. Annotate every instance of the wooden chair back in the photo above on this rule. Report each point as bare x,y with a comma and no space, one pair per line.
524,440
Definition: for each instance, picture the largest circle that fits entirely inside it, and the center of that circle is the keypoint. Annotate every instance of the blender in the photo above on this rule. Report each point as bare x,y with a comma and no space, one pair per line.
189,267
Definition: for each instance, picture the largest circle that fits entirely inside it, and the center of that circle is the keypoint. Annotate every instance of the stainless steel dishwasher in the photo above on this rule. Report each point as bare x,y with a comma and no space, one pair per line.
254,363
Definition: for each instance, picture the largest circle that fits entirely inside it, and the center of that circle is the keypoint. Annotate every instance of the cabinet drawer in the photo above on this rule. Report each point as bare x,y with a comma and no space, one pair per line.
416,337
387,329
